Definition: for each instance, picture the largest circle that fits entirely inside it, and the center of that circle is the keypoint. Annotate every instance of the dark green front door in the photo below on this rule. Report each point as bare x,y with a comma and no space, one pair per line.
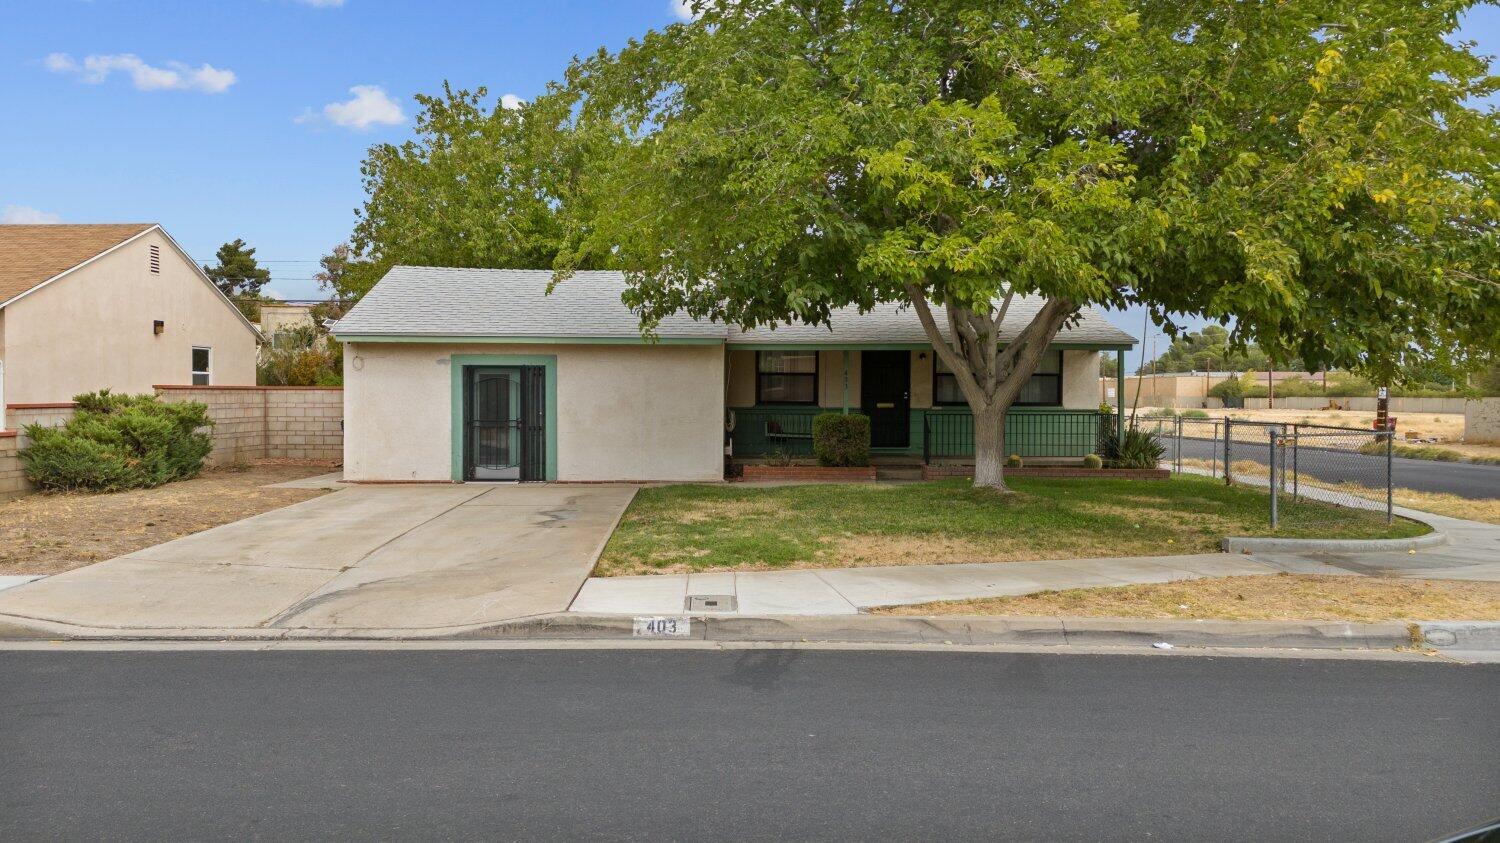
885,396
504,423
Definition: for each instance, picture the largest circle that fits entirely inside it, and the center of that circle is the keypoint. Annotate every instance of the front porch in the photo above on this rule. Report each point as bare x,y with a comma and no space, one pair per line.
917,414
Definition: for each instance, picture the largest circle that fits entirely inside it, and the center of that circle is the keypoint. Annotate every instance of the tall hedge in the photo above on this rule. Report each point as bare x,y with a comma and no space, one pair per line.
841,440
116,442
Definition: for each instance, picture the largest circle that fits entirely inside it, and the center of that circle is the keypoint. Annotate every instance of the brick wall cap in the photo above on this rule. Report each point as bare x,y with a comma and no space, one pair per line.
53,405
246,387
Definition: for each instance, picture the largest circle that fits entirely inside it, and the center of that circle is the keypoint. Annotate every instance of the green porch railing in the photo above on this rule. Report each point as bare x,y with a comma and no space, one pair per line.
939,434
950,435
762,431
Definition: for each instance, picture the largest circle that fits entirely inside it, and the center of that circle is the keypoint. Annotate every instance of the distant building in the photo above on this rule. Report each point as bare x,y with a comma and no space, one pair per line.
276,317
1185,389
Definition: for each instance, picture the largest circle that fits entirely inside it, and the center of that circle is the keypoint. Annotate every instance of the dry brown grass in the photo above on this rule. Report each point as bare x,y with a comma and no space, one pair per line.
49,534
1265,597
1438,503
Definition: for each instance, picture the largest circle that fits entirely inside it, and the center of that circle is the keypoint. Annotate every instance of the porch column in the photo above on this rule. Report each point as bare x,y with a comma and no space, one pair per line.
846,381
1119,392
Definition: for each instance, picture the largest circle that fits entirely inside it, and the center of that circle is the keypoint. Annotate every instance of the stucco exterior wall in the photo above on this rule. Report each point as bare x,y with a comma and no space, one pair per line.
624,412
93,329
1482,420
1080,381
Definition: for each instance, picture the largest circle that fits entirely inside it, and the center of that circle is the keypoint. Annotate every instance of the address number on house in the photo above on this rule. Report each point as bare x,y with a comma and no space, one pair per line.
662,627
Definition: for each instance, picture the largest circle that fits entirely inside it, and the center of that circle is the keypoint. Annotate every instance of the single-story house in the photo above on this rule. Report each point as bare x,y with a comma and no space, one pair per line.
465,374
88,307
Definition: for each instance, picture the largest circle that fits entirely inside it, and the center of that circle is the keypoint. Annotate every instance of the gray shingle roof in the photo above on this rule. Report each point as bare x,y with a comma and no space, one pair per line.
898,324
436,301
415,301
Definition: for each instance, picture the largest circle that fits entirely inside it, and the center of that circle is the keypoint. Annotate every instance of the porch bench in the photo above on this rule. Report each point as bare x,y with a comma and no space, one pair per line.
774,433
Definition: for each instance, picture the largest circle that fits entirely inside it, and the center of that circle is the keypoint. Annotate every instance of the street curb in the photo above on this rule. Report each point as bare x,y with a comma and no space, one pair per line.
887,629
850,629
1246,544
1470,636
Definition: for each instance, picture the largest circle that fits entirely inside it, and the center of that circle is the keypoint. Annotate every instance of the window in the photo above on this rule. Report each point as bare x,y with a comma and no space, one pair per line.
1043,390
201,360
786,377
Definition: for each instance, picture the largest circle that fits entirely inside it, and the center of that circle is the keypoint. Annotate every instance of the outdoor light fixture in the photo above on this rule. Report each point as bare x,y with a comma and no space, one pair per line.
158,327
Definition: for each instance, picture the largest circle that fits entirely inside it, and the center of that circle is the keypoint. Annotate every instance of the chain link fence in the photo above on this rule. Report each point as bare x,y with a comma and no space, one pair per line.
1296,464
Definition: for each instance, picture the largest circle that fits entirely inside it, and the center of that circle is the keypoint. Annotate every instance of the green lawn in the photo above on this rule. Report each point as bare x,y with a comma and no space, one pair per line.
673,529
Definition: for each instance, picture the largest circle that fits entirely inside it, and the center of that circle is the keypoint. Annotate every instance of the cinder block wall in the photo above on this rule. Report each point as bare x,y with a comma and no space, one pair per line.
305,424
269,422
250,423
13,483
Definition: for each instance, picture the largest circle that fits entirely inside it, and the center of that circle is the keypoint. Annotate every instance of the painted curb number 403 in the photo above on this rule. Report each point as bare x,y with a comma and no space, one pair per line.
662,627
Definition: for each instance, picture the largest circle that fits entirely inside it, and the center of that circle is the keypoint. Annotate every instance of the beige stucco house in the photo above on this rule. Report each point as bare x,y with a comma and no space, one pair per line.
88,307
474,374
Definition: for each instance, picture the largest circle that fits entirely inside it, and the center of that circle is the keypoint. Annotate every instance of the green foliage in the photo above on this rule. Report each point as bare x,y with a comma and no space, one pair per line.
1213,349
1194,414
301,356
481,186
1229,388
841,440
1326,185
1139,448
116,442
1161,413
239,277
347,277
1092,461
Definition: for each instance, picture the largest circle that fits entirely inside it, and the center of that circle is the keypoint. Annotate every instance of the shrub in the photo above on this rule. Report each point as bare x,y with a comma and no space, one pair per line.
841,440
116,442
1231,388
1138,449
1014,461
1161,413
1194,414
1093,461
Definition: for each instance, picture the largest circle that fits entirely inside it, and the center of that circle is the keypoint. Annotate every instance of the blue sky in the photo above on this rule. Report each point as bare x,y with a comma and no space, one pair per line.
248,118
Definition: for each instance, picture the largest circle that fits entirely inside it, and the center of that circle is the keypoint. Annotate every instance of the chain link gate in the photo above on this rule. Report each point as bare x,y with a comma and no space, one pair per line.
1295,463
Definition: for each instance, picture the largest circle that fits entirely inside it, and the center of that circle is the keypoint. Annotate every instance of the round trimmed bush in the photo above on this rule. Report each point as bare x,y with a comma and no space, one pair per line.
1014,461
841,440
1093,461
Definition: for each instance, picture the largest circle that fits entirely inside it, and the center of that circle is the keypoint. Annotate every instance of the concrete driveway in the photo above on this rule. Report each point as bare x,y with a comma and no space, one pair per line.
374,558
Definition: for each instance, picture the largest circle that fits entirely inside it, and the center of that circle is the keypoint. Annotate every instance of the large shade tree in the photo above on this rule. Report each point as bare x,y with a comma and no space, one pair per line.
1316,173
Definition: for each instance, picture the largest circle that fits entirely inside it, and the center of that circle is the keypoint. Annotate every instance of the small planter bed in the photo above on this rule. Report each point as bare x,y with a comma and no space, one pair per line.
825,473
935,472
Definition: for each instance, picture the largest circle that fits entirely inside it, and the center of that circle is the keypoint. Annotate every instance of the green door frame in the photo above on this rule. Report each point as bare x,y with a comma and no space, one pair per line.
457,364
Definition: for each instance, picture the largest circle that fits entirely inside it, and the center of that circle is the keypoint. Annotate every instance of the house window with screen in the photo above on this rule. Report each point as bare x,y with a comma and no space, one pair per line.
1044,389
201,360
786,377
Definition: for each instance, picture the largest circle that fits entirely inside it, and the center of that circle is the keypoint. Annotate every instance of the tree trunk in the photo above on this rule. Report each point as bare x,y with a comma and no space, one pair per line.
989,449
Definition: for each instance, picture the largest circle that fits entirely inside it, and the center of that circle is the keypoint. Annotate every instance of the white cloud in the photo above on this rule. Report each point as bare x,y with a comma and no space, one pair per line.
683,10
511,102
175,76
25,215
370,106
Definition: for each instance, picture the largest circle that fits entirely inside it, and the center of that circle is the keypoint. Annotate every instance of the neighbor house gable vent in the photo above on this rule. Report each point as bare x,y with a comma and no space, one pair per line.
155,260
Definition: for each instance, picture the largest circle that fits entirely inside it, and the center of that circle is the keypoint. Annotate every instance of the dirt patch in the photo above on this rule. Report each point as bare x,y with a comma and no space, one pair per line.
1267,597
875,550
52,533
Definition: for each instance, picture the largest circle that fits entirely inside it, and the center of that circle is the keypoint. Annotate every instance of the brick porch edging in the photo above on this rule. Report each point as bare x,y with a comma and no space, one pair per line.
933,472
808,472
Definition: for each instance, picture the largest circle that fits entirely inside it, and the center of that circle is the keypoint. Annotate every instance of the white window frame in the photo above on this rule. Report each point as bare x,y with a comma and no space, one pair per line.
208,373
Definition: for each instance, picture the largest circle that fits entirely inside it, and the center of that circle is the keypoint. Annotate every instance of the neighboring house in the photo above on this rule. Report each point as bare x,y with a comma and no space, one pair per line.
276,317
85,307
456,374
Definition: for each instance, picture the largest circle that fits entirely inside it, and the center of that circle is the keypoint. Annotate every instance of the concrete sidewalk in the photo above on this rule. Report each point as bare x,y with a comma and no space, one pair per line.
1471,553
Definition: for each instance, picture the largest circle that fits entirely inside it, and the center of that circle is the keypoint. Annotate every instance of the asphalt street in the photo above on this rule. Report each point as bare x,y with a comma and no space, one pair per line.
745,745
1467,480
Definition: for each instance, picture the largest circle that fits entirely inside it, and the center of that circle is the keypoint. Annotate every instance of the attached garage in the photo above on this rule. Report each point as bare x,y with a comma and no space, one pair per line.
472,374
